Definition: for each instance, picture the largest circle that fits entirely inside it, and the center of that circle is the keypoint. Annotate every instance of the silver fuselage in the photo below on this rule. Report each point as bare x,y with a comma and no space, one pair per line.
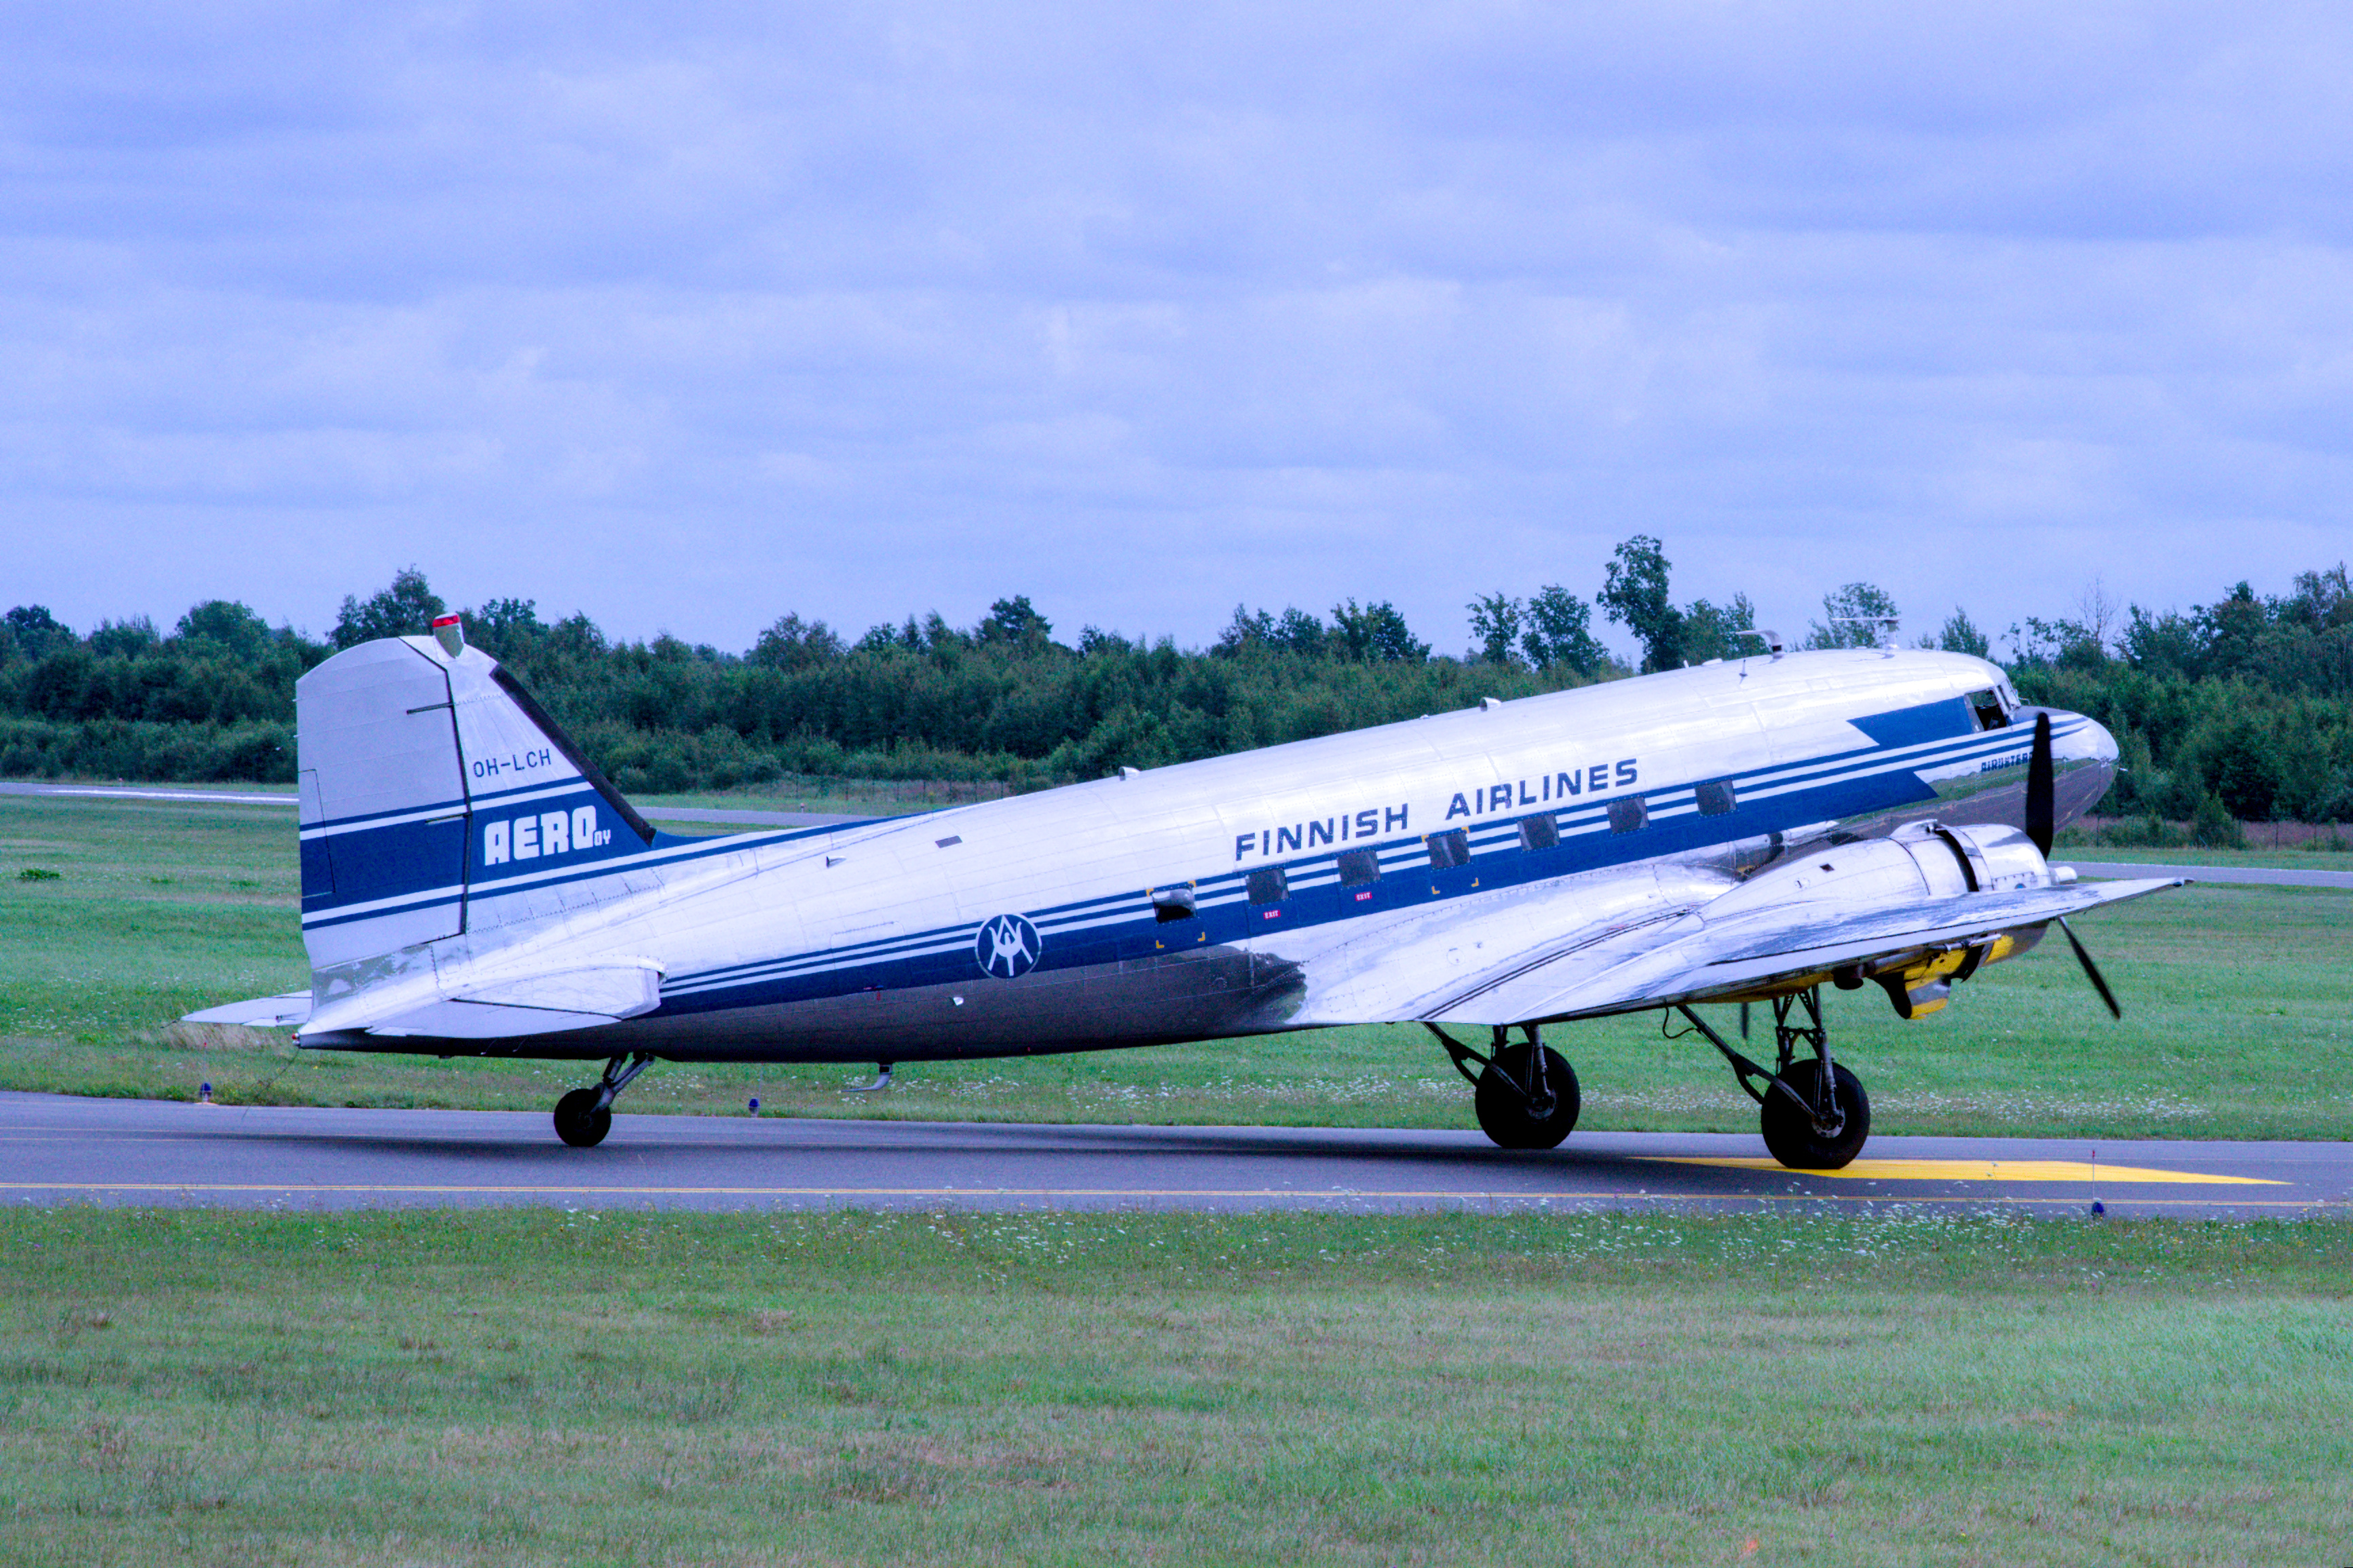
1124,912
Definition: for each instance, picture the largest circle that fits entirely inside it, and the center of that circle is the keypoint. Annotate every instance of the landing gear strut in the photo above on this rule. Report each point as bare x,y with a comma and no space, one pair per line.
585,1115
1525,1095
1812,1111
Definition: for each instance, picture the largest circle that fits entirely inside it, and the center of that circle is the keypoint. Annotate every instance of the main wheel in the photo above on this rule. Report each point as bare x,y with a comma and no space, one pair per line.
579,1122
1506,1115
1791,1134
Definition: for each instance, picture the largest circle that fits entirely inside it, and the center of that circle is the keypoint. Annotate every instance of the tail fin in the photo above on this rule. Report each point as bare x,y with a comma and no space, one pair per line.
429,782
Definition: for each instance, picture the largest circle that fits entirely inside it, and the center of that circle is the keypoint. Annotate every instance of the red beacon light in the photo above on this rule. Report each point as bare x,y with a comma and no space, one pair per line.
449,631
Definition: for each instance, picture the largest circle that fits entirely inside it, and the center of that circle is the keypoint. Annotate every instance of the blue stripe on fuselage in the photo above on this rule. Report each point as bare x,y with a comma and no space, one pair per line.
1831,788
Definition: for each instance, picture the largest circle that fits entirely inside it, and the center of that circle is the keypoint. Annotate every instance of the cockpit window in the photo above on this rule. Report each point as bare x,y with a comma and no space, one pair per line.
1987,706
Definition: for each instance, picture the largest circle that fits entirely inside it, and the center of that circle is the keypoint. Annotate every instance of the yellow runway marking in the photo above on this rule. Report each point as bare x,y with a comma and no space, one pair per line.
1976,1171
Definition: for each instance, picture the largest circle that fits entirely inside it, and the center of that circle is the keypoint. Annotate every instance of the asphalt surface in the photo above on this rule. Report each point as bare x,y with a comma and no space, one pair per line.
57,1150
2114,869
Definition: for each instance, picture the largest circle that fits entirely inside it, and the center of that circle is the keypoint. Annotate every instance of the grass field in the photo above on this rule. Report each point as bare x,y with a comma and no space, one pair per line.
2239,1020
534,1387
543,1387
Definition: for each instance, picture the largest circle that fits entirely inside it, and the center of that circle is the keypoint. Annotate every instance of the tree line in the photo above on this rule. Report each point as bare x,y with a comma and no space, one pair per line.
2243,706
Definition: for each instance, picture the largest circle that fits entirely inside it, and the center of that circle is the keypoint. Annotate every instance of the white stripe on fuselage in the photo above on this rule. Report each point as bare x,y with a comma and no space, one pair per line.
1079,859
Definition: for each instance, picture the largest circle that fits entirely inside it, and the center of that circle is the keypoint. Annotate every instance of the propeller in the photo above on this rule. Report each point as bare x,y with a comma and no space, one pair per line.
2090,970
2040,817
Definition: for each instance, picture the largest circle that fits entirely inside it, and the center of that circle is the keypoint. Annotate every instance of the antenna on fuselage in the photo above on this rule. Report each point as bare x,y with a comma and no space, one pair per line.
1771,639
1883,629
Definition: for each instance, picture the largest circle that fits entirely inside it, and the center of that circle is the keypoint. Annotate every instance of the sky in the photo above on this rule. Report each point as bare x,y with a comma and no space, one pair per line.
689,321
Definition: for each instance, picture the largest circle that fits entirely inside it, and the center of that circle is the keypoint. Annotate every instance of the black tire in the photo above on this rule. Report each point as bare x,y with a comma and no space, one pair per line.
1789,1133
1504,1112
579,1122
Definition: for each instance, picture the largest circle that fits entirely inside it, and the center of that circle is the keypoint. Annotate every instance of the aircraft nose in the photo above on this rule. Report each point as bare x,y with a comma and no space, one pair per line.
2089,740
2084,758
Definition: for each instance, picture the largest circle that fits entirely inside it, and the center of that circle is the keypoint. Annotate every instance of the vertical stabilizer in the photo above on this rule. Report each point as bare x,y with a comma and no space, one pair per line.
432,786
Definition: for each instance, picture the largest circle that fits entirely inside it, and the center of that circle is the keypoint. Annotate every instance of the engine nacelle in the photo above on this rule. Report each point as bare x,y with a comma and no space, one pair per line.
1997,857
1923,860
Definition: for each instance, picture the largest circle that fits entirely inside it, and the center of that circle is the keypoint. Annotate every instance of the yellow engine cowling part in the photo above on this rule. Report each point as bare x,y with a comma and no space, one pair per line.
2011,943
1924,987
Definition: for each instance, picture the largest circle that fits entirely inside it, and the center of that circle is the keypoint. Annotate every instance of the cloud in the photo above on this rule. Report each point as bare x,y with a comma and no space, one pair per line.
687,320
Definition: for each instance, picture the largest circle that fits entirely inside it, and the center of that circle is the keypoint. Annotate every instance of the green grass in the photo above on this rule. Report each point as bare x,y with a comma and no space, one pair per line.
542,1387
2239,1022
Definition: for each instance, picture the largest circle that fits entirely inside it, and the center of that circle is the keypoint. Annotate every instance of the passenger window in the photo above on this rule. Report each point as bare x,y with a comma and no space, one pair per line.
1627,815
1359,868
1539,832
1989,709
1448,849
1268,885
1172,904
1717,799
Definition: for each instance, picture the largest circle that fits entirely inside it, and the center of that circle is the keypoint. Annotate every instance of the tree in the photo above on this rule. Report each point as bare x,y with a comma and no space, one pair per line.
795,644
1016,622
1960,635
1295,630
124,638
1374,635
1560,633
1495,624
1634,594
1245,630
883,637
407,608
227,626
31,631
1856,616
2322,599
1712,633
1301,633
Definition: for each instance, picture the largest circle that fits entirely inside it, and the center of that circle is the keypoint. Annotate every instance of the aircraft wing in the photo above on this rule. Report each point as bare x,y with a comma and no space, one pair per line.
1554,958
1723,958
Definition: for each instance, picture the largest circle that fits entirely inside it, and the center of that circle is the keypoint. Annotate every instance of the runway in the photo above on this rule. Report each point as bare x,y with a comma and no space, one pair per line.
57,1149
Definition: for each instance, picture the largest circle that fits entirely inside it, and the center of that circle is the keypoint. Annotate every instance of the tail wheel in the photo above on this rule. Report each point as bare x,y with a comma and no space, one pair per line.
1793,1135
580,1122
1517,1110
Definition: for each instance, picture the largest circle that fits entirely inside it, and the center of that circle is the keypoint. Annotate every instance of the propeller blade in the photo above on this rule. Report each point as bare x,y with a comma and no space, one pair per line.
2092,971
2040,815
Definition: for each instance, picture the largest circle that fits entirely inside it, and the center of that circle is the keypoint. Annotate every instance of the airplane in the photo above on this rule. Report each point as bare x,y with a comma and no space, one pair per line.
1747,831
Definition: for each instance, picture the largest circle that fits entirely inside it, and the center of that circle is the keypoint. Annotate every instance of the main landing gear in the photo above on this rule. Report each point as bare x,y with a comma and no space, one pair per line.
1812,1111
585,1115
1525,1094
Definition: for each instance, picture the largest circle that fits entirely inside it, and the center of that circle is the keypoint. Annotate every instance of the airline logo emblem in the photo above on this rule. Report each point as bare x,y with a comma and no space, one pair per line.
1008,947
539,834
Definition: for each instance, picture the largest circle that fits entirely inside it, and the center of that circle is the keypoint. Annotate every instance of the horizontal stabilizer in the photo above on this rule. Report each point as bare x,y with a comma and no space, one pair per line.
539,1004
261,1013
